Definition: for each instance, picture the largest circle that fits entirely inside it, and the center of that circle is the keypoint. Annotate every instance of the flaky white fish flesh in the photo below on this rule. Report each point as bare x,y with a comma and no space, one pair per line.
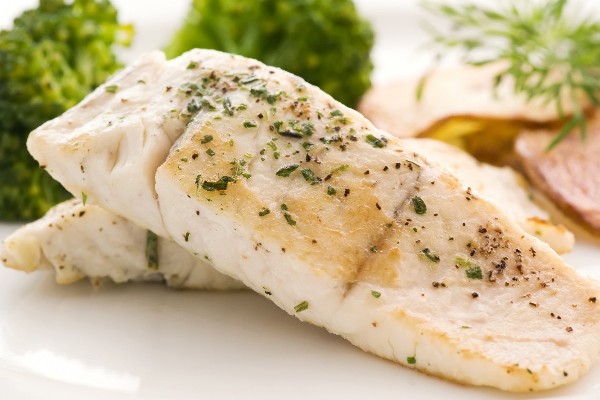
338,223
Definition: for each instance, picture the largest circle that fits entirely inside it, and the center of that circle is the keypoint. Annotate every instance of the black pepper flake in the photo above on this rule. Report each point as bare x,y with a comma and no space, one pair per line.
261,116
346,192
482,230
592,299
367,172
378,206
475,295
569,329
194,156
385,168
398,165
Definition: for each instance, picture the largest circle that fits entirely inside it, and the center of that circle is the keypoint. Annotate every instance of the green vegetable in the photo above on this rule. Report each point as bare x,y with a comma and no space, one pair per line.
324,41
550,53
52,57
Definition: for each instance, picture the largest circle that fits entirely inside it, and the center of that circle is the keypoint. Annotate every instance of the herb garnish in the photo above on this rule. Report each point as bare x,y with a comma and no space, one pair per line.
430,255
220,184
249,124
206,139
376,142
474,272
152,250
411,360
287,170
301,306
310,176
375,294
264,212
419,205
551,55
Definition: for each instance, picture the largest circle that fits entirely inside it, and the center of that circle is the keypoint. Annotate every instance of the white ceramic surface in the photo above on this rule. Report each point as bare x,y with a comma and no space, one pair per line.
147,342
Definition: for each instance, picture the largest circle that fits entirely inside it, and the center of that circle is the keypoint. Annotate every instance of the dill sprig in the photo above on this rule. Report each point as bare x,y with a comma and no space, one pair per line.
551,53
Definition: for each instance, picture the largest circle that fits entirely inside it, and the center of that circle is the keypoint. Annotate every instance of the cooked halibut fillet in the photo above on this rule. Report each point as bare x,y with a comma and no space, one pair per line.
79,241
502,185
338,223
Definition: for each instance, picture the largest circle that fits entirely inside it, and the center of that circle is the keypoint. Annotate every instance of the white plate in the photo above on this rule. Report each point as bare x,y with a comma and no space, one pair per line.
147,342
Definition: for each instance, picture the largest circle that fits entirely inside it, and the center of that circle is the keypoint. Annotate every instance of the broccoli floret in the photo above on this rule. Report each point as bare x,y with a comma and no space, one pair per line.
52,57
324,41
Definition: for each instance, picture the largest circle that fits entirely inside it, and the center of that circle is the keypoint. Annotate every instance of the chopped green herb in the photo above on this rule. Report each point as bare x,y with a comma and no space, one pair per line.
474,272
419,205
289,219
462,262
206,139
227,110
283,207
271,144
193,106
430,255
308,129
287,170
192,65
278,125
331,190
221,184
111,88
373,249
411,360
83,198
264,212
249,124
301,306
186,236
302,98
336,113
258,92
376,142
341,168
307,146
152,250
375,294
272,98
210,152
310,176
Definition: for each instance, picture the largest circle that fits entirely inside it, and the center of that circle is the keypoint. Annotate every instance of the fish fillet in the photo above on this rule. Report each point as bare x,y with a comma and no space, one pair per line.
502,185
338,223
79,241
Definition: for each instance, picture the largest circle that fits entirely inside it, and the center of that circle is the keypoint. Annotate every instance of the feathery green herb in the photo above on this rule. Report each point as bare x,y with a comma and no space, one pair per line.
550,52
